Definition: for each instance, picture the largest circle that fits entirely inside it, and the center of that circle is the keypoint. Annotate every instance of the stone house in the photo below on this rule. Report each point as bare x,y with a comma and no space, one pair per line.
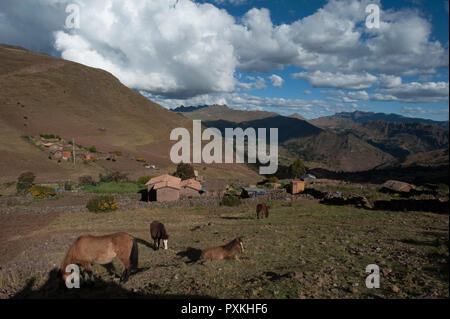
163,188
191,188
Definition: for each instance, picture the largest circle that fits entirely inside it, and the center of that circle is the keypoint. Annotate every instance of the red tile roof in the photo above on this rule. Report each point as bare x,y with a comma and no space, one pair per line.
192,183
164,178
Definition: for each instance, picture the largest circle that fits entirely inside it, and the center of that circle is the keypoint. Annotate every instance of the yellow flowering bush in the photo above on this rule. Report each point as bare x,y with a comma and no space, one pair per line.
102,204
42,191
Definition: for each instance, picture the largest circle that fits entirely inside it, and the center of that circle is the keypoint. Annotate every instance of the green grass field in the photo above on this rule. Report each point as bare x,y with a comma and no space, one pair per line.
303,250
114,188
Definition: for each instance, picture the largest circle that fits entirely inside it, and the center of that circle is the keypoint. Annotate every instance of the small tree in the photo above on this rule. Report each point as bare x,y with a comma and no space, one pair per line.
116,177
143,180
25,182
86,180
184,171
297,168
68,185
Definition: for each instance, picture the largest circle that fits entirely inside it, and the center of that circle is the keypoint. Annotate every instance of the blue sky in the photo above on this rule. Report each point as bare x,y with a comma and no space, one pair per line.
310,57
288,11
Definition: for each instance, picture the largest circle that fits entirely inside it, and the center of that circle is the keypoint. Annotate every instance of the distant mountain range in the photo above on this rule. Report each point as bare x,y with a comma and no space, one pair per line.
345,141
363,117
221,112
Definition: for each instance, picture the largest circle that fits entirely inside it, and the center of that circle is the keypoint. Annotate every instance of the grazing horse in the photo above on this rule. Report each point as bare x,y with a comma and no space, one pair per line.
89,249
158,232
262,208
225,251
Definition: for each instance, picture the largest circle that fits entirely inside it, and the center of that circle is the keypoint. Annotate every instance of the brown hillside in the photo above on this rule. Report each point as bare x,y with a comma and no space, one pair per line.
40,94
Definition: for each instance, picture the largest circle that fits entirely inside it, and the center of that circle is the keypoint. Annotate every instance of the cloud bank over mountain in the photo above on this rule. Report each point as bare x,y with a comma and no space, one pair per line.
181,49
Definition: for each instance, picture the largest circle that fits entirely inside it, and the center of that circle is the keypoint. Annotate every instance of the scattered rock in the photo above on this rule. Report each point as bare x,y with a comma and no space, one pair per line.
393,186
353,290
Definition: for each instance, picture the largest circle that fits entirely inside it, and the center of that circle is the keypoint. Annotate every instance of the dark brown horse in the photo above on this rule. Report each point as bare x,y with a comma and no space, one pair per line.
88,249
262,208
158,232
224,252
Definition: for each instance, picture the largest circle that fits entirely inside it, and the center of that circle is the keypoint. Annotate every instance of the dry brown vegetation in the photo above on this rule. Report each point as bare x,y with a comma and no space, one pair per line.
303,250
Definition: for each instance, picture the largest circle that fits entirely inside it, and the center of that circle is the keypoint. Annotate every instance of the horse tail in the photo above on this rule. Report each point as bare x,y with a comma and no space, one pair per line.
134,255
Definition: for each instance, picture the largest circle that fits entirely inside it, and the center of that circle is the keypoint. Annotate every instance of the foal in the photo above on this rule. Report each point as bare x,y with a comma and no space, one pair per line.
89,249
262,208
158,232
225,251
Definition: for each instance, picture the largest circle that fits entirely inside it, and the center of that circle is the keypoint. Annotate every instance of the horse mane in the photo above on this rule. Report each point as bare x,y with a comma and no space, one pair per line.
230,245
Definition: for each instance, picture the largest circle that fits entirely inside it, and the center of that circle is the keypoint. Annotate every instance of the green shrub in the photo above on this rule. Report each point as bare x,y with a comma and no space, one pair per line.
48,136
184,171
143,180
68,185
113,177
86,180
92,149
230,201
297,168
102,204
271,179
42,191
25,182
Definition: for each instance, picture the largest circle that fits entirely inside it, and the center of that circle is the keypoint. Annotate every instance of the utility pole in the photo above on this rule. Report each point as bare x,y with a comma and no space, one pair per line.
73,146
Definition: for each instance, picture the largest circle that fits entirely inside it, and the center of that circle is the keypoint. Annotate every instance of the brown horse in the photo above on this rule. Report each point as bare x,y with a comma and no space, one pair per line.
89,249
225,251
158,232
262,208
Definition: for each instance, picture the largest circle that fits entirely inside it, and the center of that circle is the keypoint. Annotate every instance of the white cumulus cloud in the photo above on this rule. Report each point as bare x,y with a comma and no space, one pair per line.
183,48
414,92
276,80
337,80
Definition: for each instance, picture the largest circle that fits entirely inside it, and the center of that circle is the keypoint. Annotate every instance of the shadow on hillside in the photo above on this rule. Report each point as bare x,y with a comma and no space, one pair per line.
144,242
101,289
193,254
417,175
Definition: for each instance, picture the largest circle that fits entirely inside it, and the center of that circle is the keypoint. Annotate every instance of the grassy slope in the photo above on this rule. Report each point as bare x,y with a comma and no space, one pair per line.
303,250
